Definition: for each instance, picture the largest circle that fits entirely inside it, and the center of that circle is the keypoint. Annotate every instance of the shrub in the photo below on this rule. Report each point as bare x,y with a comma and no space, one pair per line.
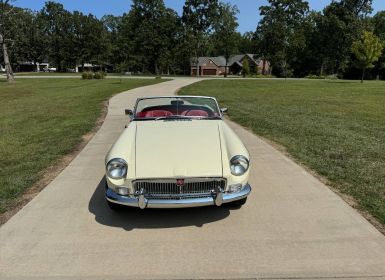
333,77
315,77
87,75
99,75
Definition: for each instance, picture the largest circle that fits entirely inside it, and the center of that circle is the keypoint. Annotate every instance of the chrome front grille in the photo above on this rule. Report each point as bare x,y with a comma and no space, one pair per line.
170,189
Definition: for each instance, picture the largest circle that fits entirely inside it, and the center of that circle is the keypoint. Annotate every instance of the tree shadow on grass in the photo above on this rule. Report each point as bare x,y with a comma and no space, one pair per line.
131,218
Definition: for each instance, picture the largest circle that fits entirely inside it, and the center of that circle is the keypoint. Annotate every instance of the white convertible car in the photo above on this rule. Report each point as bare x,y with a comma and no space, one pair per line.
177,152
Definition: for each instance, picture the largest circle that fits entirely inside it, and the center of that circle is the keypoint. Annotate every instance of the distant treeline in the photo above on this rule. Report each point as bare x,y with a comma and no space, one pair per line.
152,38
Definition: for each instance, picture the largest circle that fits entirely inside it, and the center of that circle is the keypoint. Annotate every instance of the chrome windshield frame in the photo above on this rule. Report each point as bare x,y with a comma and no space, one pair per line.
177,97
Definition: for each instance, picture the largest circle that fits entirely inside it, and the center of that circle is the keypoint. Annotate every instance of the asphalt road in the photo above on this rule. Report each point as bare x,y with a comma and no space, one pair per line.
292,226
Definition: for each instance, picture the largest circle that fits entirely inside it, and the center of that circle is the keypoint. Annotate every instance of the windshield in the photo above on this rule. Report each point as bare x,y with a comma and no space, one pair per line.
176,107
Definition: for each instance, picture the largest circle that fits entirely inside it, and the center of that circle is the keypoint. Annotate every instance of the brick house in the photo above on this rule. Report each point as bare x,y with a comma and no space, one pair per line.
209,66
215,66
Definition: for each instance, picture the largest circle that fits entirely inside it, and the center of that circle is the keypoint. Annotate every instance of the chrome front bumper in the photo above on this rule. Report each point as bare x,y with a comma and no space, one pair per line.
141,202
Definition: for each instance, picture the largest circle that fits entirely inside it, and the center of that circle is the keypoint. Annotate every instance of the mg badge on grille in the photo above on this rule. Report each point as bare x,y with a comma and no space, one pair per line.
180,182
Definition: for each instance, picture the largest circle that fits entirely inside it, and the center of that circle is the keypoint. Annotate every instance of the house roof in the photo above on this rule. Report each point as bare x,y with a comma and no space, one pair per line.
239,57
220,61
217,60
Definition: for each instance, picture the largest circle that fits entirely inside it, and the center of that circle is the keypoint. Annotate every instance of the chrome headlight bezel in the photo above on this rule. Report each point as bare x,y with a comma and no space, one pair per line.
117,168
239,165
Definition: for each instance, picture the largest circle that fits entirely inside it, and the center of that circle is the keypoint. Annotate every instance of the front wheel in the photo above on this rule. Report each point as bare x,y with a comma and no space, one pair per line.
237,203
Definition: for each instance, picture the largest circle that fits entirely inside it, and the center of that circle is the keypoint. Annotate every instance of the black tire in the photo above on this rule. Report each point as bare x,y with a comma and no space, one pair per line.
237,203
114,206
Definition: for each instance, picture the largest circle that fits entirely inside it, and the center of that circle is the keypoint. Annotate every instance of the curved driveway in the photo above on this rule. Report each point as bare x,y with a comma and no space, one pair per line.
292,226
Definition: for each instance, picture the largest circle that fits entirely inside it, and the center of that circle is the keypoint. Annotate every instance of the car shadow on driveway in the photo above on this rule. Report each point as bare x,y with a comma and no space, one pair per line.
132,218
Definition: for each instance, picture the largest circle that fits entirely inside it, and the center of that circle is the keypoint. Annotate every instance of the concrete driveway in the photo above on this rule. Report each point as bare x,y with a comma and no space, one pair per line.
292,226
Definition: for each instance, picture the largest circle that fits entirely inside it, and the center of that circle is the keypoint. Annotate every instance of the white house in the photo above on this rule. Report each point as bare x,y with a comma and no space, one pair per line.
87,67
30,66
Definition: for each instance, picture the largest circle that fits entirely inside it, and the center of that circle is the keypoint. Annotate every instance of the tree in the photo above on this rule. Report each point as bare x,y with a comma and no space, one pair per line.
59,36
89,38
367,50
169,24
280,31
341,24
115,52
35,48
29,42
378,22
151,28
246,42
225,36
378,27
6,11
245,67
198,19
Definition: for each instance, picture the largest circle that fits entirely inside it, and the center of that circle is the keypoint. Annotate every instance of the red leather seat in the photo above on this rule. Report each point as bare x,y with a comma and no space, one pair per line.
140,114
156,114
195,113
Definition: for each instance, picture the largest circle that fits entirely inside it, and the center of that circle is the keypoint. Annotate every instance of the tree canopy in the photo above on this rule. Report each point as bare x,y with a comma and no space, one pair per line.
152,38
367,50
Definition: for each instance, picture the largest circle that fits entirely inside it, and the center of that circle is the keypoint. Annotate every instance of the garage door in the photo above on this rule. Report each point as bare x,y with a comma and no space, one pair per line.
209,72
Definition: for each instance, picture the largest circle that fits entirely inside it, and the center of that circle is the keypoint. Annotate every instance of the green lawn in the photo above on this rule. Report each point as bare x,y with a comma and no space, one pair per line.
336,128
43,119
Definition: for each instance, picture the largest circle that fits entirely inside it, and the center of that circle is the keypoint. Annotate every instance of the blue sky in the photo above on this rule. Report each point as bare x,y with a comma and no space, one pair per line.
248,17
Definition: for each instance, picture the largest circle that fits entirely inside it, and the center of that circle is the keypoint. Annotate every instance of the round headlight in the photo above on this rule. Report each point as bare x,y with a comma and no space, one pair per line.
117,168
239,165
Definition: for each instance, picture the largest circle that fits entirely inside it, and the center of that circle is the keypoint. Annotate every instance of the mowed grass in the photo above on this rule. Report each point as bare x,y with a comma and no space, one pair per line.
43,119
337,128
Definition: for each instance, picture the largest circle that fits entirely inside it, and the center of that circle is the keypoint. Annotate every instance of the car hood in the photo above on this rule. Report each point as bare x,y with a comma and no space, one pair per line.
178,149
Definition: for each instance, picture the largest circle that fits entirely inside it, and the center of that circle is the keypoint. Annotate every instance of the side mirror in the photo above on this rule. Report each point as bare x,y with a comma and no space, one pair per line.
129,113
224,110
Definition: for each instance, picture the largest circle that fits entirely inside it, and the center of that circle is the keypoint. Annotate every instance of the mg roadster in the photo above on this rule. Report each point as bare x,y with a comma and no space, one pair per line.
177,152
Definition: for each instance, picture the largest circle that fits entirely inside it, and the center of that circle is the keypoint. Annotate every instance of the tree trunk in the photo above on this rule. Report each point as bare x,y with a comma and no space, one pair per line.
7,64
264,67
322,68
197,58
363,75
226,67
197,66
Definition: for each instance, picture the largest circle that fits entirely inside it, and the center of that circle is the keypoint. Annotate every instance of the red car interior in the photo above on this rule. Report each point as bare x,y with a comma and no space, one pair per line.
195,113
154,114
183,110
